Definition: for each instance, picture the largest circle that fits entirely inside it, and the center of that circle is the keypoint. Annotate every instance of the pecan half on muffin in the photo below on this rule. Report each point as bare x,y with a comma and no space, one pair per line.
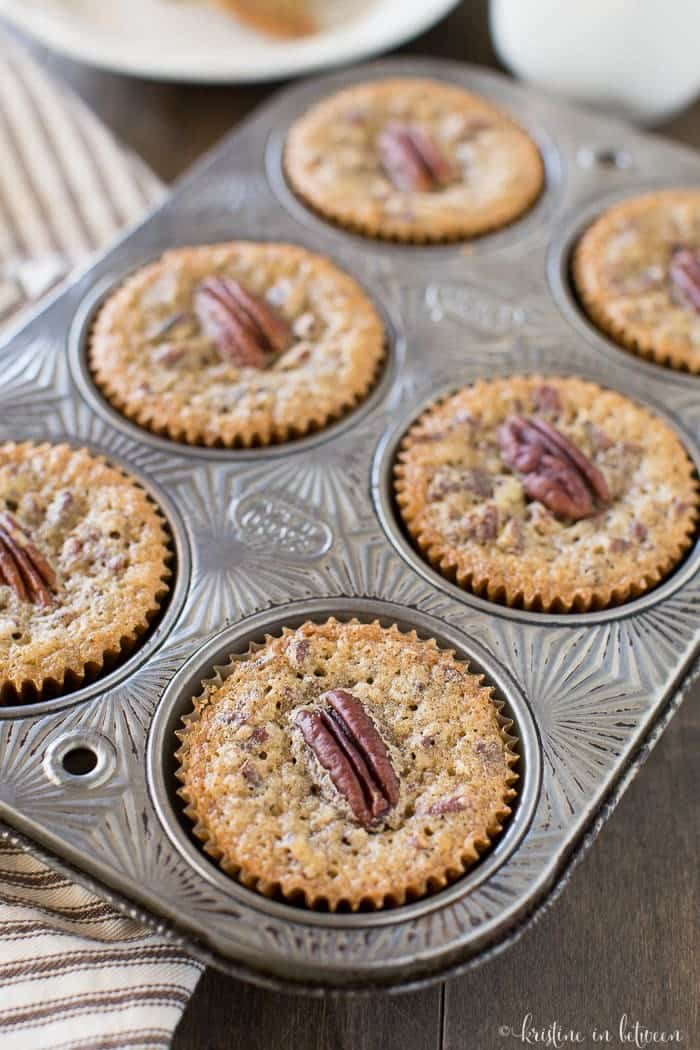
547,493
346,765
237,344
83,568
413,160
637,273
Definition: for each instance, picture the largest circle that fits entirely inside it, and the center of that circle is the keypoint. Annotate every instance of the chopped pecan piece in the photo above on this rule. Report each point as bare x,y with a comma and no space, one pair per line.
412,159
484,526
246,330
445,805
257,737
600,440
451,480
554,471
298,651
684,273
491,752
639,531
547,399
346,743
618,545
251,774
22,566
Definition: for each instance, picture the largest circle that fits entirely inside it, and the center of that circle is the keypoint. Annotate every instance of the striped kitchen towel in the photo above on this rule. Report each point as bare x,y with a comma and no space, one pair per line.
66,185
74,973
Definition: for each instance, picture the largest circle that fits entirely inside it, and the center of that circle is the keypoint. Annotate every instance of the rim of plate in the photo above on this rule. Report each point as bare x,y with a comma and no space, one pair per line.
268,61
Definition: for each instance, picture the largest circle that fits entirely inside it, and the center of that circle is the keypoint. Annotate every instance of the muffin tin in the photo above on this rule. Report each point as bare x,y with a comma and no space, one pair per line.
271,537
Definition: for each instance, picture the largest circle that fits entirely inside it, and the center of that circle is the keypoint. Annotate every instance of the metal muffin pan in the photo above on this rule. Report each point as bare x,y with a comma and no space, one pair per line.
266,538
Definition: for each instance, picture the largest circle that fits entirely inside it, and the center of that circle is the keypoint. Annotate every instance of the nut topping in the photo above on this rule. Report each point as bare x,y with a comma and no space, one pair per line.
346,743
246,330
412,159
446,805
684,272
22,566
554,471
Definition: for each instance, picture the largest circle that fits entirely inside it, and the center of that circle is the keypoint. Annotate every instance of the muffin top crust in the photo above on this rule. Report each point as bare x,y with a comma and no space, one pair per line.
263,777
547,493
237,344
637,271
83,566
413,160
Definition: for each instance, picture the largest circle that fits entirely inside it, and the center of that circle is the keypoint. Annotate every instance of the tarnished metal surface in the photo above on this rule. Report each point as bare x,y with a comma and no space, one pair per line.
271,537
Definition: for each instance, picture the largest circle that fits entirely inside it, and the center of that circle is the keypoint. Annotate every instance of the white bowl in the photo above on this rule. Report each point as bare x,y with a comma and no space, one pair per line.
186,40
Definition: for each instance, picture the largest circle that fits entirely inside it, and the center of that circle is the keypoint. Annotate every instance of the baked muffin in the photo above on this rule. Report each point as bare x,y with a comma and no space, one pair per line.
547,494
637,273
285,18
236,344
346,765
413,160
83,568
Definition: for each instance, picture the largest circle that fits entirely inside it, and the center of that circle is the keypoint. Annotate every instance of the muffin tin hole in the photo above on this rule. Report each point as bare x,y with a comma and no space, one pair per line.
382,484
78,343
177,701
80,761
605,158
84,759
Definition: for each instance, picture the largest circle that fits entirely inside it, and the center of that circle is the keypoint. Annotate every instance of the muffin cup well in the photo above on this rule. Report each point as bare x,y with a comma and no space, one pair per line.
268,407
297,888
443,223
593,288
36,673
501,577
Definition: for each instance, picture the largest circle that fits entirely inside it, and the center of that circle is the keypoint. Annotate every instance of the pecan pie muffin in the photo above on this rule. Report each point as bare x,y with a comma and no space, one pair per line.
286,18
346,765
237,344
413,160
547,494
637,273
83,568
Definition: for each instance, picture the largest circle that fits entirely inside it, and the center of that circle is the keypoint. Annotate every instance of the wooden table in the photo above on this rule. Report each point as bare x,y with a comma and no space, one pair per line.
620,938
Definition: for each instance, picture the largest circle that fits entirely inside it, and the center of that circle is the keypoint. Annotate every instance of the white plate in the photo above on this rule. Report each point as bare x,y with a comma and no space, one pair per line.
188,40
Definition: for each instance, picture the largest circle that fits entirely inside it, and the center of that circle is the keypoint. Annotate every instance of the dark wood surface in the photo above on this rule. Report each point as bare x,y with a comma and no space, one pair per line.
622,938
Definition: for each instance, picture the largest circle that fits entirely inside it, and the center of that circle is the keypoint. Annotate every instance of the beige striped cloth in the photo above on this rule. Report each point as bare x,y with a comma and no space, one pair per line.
66,185
74,974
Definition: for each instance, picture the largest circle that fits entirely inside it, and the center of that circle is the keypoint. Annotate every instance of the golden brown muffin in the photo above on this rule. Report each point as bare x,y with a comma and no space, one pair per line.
346,765
547,493
83,567
637,273
237,344
413,160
